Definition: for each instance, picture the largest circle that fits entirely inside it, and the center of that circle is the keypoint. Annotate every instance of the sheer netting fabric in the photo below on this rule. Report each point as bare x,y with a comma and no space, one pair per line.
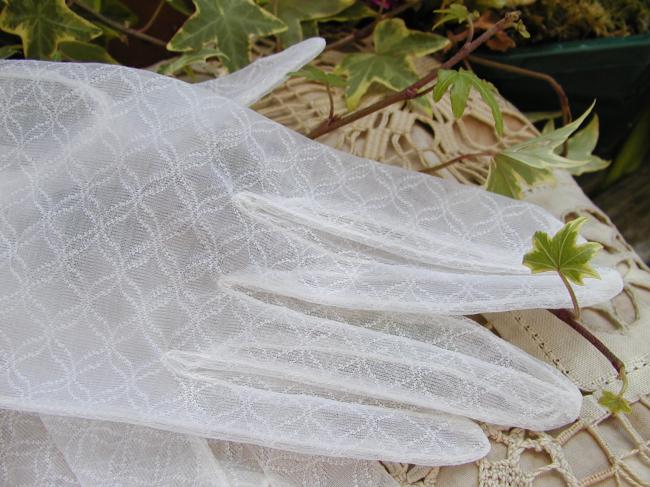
170,259
43,451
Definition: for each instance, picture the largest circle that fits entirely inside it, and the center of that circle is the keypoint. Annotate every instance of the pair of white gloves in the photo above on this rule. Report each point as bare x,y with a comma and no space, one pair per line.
175,267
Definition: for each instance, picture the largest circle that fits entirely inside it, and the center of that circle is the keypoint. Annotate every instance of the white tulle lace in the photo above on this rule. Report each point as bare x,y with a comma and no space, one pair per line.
176,267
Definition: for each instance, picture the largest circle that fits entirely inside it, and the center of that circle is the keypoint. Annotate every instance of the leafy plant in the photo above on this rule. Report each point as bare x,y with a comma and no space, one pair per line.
312,73
228,24
532,161
455,12
460,83
43,25
563,255
616,403
184,61
294,13
391,65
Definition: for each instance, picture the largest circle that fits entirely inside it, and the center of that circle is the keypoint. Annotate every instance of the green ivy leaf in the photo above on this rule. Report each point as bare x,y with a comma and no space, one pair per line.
580,147
461,82
230,24
391,65
455,12
182,6
44,24
312,73
8,51
561,254
295,12
84,51
532,161
614,403
507,175
181,62
358,11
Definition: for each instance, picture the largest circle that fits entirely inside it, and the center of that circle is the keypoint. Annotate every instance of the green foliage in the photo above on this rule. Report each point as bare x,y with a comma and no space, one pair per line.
84,51
358,11
230,24
312,73
562,254
634,151
455,12
615,403
295,12
391,65
461,82
580,147
8,51
182,62
182,6
532,161
44,24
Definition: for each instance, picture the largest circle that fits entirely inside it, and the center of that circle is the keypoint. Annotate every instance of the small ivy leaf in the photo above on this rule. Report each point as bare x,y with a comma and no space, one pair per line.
230,24
540,151
580,147
520,27
614,403
181,62
533,160
506,177
44,24
562,254
182,6
8,51
391,65
455,12
85,52
358,11
312,73
461,82
535,117
294,12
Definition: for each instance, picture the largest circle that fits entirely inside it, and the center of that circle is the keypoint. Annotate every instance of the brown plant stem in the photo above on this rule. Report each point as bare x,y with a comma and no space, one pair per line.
557,87
331,100
367,30
153,17
119,27
566,316
442,165
413,90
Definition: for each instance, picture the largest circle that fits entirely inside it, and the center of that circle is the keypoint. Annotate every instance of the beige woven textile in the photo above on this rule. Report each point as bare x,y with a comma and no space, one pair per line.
598,449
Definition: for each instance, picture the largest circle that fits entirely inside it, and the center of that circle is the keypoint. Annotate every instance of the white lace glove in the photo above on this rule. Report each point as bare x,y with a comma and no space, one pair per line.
54,451
171,259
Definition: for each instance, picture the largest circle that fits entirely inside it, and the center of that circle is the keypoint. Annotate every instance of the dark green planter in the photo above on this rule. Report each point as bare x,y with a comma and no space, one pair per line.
614,71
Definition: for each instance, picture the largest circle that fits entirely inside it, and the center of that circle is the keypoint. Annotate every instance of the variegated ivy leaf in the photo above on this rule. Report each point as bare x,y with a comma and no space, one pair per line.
8,51
460,83
391,65
357,11
532,161
615,403
455,12
230,24
179,63
44,24
580,147
295,12
562,254
312,73
84,51
183,6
